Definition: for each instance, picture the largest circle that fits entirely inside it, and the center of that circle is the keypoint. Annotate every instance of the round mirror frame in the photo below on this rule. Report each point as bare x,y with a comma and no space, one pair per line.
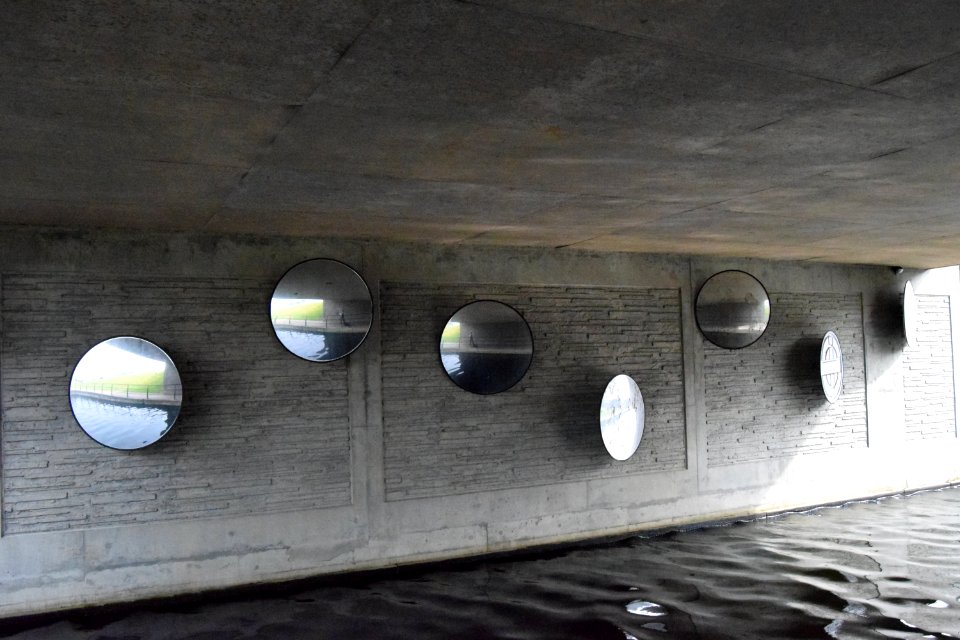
163,400
622,415
502,387
697,312
347,271
831,367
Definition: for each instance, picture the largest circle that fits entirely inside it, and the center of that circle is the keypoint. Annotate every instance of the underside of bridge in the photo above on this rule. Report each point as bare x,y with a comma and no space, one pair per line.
817,130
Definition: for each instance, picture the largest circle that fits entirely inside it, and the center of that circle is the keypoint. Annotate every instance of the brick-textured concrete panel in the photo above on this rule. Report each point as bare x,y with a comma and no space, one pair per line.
765,401
928,373
260,429
441,440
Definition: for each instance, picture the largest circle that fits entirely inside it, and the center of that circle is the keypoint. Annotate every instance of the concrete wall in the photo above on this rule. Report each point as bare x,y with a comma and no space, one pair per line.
280,468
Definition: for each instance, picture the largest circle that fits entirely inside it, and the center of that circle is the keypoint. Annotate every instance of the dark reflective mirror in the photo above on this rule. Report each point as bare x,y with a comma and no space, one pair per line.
732,309
910,312
621,417
321,310
486,347
125,393
831,366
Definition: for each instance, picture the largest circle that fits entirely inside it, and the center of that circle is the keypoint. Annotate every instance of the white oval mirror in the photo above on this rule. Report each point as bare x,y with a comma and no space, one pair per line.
831,367
621,417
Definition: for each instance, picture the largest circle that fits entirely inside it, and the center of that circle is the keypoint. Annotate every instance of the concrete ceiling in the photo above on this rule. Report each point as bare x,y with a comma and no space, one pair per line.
806,129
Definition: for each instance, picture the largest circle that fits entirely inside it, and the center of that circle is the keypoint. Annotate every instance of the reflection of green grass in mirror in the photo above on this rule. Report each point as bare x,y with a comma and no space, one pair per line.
451,333
139,382
299,310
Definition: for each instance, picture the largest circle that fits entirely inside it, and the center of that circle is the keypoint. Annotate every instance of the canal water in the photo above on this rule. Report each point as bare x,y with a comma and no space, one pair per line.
110,421
887,568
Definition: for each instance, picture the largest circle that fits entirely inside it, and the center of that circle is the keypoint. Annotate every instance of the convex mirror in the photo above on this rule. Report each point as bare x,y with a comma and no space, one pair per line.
125,393
732,309
910,313
321,310
486,347
831,366
621,417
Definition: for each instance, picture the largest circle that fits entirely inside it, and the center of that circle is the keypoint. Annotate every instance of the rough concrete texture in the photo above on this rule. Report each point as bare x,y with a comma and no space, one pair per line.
439,440
291,468
779,378
252,445
791,130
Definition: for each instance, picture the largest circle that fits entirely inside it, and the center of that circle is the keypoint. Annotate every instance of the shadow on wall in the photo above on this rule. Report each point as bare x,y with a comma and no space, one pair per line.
577,409
885,319
803,372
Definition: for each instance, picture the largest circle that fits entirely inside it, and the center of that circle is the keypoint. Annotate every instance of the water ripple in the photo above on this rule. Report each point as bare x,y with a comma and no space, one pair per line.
873,569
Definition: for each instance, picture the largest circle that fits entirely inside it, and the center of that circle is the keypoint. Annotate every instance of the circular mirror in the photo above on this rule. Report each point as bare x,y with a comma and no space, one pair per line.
621,417
321,310
486,347
732,309
831,367
125,393
910,313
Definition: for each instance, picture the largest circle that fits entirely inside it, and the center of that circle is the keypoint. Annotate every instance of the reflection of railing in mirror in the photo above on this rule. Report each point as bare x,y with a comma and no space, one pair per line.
469,343
134,393
342,323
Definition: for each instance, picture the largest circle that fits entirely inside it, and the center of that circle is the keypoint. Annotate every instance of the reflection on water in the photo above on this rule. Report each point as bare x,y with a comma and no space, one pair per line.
120,425
484,372
644,608
878,569
319,345
310,345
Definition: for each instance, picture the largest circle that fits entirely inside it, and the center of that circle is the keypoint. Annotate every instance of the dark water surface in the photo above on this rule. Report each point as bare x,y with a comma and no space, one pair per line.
886,568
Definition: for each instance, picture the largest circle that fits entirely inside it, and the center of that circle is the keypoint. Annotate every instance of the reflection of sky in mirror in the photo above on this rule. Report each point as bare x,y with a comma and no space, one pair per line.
108,361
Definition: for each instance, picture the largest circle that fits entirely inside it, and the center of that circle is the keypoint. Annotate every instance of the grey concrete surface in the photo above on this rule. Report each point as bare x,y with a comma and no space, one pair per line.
786,130
279,468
